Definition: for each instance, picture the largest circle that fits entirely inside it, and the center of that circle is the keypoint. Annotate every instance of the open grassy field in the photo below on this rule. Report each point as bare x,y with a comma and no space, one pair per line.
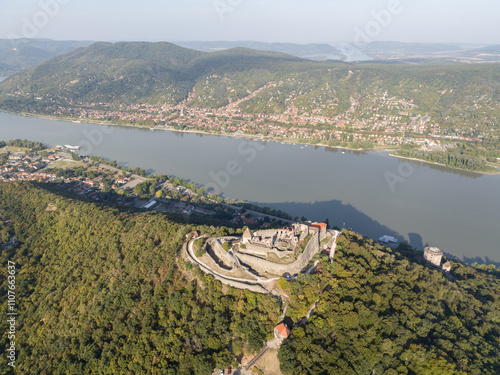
65,164
13,149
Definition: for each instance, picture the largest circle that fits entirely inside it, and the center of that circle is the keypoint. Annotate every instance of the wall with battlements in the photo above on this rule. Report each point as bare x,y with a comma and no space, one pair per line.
262,251
263,266
257,288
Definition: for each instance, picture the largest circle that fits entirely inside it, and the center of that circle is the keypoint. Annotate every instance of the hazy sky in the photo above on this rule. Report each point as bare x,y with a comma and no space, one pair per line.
464,21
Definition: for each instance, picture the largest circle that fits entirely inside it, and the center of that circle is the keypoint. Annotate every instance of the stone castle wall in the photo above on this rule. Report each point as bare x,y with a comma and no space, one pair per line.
263,266
257,288
222,254
240,285
262,251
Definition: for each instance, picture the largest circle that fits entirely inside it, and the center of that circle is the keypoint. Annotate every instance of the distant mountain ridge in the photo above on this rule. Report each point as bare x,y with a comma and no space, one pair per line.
412,48
19,54
429,52
313,51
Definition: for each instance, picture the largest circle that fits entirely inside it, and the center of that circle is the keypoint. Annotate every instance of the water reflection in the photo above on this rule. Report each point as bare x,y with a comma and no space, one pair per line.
451,209
443,169
346,216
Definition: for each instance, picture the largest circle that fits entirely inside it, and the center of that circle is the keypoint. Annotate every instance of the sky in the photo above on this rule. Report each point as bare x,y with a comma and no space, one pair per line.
294,21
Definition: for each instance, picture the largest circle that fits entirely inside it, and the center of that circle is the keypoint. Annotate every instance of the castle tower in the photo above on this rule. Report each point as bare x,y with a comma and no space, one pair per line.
433,255
247,236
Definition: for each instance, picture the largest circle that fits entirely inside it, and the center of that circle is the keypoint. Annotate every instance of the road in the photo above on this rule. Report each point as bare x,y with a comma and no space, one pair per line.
192,193
312,268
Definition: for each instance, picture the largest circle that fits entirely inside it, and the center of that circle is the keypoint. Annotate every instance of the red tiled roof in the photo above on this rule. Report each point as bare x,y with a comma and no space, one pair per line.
318,225
283,330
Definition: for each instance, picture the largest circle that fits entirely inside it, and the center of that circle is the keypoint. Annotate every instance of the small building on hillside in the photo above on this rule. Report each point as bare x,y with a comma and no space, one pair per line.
433,255
447,267
281,331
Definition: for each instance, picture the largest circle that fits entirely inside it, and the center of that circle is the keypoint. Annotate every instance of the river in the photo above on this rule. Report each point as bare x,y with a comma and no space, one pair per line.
370,192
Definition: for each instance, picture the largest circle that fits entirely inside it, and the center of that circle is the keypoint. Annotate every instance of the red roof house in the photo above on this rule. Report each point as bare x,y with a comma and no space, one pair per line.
281,331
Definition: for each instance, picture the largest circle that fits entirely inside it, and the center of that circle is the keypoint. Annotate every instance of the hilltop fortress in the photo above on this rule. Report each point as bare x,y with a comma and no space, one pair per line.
258,258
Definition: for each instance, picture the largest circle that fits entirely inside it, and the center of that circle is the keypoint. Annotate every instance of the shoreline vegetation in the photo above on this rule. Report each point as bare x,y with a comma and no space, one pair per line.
471,163
492,170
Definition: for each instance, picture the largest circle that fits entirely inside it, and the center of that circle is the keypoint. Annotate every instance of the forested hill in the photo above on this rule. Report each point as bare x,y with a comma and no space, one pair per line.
19,54
135,71
99,290
377,314
271,83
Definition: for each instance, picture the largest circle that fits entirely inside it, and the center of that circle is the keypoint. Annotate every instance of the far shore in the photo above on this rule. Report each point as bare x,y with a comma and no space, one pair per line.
251,136
443,165
168,128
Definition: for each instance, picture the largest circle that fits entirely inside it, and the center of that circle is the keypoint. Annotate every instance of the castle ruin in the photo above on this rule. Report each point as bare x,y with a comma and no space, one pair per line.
257,259
433,255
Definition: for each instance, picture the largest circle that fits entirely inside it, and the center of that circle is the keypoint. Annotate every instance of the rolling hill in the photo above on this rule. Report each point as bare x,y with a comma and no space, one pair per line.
258,82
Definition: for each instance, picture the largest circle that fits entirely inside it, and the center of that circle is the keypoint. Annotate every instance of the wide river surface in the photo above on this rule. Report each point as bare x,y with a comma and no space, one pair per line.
370,192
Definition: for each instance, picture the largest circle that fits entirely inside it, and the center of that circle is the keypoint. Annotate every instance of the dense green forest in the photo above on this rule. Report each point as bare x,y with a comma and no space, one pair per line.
454,159
102,290
393,315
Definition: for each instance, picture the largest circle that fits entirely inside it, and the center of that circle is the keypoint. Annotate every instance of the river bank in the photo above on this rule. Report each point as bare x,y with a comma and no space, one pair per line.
170,128
350,189
444,165
262,138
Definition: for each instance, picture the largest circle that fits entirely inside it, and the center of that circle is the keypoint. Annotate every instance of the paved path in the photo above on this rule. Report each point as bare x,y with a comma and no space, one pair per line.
285,308
312,268
256,358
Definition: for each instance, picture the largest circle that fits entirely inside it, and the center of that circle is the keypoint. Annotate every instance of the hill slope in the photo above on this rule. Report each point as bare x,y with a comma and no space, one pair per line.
100,288
393,314
257,82
129,72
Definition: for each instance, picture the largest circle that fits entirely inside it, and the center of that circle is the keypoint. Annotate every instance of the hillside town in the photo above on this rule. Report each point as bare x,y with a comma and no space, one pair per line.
378,120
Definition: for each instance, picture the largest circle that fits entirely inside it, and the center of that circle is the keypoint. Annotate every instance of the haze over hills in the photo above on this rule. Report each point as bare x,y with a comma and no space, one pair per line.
306,51
352,52
429,52
19,54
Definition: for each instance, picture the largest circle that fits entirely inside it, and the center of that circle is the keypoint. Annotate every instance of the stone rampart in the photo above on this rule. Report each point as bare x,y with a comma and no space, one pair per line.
262,251
240,285
222,254
263,266
235,283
